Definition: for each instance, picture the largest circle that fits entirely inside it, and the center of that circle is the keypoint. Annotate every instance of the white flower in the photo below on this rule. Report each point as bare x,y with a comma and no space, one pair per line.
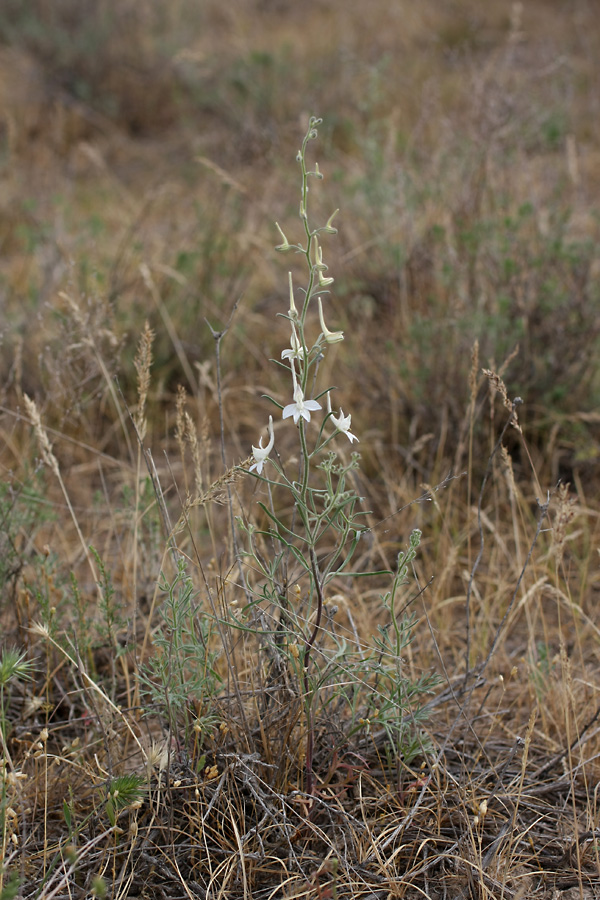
260,454
342,423
296,350
300,406
332,337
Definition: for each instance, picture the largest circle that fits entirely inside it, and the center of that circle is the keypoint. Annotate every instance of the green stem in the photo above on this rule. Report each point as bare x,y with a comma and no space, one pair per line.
310,235
305,464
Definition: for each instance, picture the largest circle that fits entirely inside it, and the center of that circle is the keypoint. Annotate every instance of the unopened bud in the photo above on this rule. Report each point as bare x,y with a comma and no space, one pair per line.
329,229
293,312
285,245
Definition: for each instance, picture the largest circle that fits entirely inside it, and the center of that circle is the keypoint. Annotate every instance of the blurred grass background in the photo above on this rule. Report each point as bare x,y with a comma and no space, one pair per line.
146,150
460,142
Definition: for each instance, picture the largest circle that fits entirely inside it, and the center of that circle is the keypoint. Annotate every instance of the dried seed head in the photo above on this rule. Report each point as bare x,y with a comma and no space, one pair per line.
41,434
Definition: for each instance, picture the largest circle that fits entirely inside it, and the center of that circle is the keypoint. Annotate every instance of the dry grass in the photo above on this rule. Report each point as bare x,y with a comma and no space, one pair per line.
144,155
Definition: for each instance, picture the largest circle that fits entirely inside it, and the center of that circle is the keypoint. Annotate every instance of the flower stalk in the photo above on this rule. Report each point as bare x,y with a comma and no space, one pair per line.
316,541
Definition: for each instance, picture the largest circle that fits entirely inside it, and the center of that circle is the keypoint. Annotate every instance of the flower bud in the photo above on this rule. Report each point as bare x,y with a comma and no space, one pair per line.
284,245
329,229
293,312
332,337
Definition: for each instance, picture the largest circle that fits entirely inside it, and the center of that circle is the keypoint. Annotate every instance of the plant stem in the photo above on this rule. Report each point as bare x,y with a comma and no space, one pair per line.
310,737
